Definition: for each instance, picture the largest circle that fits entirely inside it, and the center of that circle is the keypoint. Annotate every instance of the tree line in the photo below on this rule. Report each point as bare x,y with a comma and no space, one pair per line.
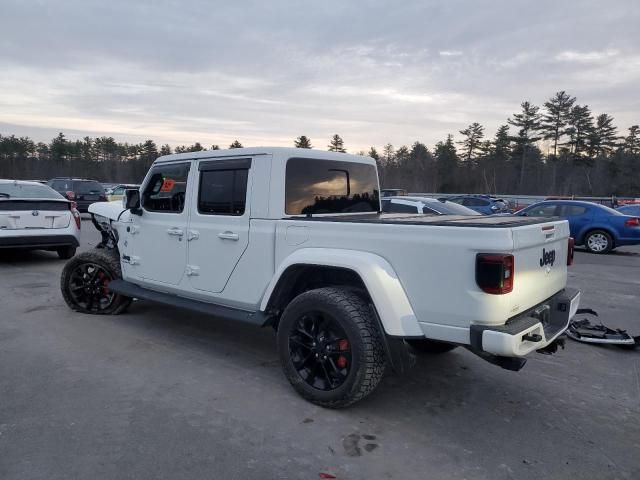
560,148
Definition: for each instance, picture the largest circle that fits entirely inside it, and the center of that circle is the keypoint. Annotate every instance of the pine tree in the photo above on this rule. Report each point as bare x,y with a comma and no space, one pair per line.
580,127
165,149
302,142
373,153
196,147
388,155
502,142
632,141
59,147
529,124
215,147
556,118
336,144
446,165
474,134
236,144
603,138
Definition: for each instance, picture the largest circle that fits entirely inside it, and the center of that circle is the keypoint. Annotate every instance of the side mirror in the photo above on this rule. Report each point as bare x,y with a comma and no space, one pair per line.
132,201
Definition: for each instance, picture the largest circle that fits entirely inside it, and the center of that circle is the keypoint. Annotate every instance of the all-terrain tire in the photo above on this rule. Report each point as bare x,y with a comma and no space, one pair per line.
109,262
354,316
65,253
430,346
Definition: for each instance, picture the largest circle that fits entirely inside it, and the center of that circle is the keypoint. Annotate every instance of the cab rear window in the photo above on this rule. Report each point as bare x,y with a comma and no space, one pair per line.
315,186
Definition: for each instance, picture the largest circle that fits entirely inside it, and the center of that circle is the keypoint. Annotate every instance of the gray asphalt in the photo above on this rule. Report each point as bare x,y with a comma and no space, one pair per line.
160,393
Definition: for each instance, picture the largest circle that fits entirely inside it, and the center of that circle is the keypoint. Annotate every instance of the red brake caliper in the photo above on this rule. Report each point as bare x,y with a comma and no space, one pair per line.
105,283
343,345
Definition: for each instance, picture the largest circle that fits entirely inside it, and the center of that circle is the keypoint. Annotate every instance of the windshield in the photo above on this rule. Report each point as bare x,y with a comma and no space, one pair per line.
451,208
27,190
82,188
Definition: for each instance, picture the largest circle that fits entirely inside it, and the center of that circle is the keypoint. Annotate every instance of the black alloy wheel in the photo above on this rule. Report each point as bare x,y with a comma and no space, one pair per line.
320,351
85,283
89,287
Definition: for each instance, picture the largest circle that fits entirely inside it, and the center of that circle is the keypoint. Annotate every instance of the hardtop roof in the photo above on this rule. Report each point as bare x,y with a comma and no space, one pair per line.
288,152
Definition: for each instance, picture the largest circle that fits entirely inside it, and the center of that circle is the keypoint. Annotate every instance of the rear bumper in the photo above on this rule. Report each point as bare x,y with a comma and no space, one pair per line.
541,325
39,241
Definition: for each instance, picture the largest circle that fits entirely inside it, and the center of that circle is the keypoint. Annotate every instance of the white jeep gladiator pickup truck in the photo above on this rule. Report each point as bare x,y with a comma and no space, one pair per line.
295,239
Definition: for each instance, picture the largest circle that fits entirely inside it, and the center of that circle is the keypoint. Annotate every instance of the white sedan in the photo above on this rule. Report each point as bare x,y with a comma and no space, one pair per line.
36,217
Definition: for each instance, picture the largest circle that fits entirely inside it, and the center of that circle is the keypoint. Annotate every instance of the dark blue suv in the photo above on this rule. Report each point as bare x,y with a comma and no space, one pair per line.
482,203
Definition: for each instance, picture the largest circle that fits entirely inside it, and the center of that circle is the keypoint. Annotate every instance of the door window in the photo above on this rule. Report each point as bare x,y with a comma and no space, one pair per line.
573,210
223,192
542,211
166,190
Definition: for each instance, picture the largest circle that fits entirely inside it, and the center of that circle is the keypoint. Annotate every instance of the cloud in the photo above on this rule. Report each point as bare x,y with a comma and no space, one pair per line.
450,53
586,57
375,71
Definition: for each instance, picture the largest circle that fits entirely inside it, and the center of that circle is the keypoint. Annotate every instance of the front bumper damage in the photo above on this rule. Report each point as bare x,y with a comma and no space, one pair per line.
535,329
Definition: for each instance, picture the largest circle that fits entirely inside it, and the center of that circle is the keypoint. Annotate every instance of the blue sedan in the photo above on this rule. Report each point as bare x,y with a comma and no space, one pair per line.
600,229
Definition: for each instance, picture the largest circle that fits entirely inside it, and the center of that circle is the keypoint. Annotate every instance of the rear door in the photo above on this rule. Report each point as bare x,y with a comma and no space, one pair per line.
155,247
218,231
579,216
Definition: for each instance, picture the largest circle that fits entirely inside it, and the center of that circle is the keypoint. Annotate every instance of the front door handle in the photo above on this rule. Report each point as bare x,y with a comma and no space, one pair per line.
229,236
175,232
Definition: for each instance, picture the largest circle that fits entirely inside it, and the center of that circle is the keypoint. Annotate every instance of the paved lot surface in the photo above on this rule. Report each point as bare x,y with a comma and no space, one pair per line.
160,393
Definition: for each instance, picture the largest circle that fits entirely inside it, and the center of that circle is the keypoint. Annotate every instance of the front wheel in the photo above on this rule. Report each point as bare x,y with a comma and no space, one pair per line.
85,283
598,241
330,347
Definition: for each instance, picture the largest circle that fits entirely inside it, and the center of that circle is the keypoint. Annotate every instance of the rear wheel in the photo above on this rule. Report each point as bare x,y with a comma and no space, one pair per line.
85,283
67,252
330,347
598,241
430,346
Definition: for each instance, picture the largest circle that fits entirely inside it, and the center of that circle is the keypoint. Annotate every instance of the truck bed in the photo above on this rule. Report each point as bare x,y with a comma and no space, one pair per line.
484,221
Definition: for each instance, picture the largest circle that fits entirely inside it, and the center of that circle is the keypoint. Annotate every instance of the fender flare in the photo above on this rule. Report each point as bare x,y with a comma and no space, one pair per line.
380,279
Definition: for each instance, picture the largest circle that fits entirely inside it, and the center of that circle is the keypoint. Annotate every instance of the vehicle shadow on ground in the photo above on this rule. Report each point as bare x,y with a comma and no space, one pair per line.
443,381
28,256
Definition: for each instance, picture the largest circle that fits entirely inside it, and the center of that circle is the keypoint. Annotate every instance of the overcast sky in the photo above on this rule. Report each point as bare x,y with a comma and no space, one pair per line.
265,72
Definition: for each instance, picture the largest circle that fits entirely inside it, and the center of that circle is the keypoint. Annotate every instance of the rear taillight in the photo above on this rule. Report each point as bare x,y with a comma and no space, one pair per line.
76,214
70,195
572,244
494,273
632,222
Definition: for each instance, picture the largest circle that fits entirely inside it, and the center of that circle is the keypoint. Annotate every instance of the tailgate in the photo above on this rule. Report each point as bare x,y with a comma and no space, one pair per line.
37,214
540,252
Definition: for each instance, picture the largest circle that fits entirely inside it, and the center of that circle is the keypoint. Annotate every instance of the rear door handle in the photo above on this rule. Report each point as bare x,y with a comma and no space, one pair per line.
175,232
229,236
